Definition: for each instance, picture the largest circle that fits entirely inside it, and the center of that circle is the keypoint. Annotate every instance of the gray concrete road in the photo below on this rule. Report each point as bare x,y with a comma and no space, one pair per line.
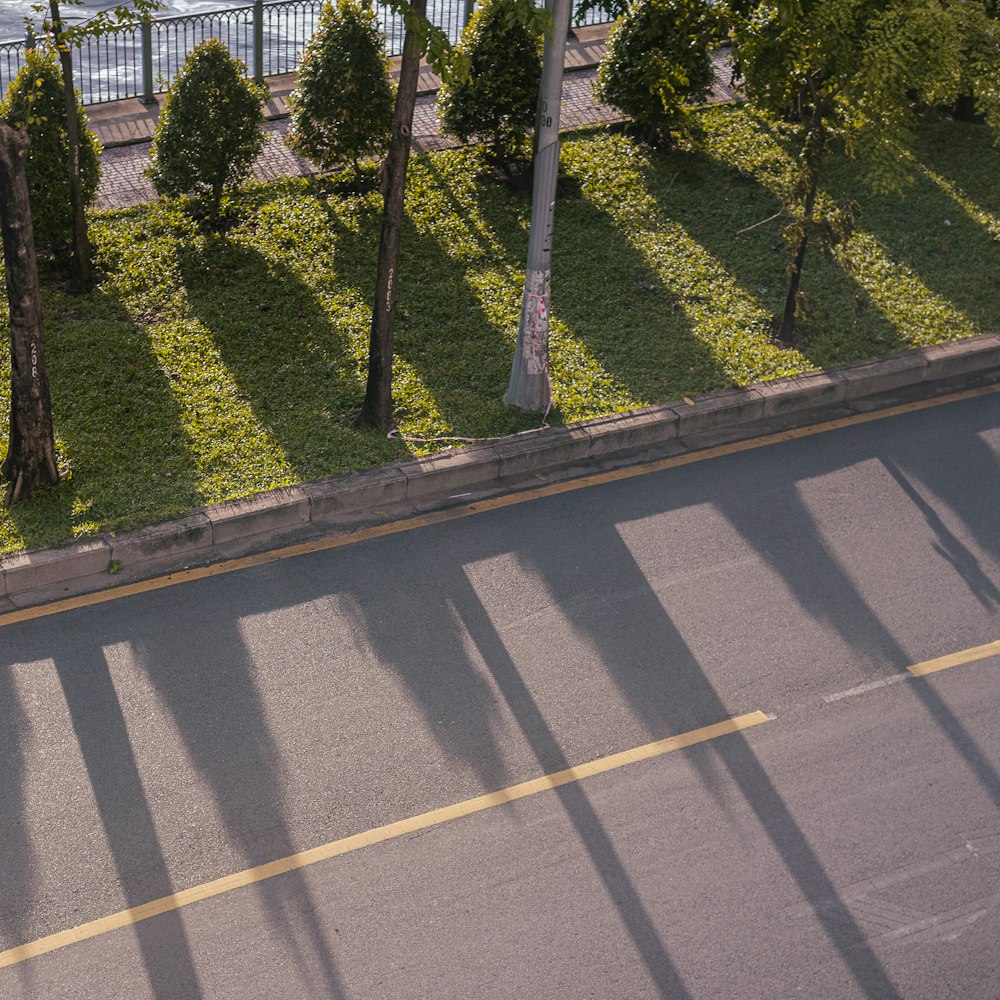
849,847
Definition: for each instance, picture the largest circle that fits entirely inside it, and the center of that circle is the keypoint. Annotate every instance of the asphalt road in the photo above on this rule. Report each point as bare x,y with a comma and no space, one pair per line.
846,846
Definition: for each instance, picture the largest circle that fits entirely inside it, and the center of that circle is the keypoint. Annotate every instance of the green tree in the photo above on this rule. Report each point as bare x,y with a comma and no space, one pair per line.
497,102
659,57
61,38
341,109
856,73
35,101
209,131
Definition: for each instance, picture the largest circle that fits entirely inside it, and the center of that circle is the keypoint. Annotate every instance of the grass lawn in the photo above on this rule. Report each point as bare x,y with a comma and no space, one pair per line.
208,368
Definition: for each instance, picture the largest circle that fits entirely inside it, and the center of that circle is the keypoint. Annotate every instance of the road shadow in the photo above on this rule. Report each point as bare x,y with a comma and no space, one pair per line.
652,665
17,873
208,690
127,819
228,742
613,873
948,545
608,601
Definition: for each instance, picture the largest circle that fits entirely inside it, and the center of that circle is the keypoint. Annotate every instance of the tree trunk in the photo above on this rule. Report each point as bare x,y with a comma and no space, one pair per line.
83,272
786,331
376,411
528,387
812,155
31,450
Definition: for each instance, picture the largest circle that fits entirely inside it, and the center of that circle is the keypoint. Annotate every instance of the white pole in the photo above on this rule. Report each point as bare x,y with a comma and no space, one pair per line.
529,376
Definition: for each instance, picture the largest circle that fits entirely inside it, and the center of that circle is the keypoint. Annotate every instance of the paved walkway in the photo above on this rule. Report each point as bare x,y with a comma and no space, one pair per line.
126,127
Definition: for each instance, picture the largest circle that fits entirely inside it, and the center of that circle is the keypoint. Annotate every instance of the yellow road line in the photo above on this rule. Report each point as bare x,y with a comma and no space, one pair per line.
336,848
956,659
478,507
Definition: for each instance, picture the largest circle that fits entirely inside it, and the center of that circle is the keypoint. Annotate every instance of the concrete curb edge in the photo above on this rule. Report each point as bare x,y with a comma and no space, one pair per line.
225,529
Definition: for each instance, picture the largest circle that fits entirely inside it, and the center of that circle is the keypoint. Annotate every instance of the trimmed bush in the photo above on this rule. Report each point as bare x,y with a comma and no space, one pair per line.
341,109
35,98
497,103
659,56
209,134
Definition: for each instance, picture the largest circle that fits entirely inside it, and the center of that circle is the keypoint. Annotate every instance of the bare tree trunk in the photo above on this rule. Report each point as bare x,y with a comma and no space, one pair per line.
31,450
786,331
812,155
376,411
83,271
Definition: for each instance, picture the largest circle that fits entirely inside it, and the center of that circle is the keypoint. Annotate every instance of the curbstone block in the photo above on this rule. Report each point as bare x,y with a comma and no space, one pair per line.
334,498
801,392
449,473
718,409
276,510
633,431
868,378
41,568
186,536
548,448
959,357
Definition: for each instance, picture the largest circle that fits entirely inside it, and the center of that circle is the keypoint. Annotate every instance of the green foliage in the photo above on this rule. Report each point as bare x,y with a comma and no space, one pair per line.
36,99
207,368
658,58
97,24
342,106
980,29
208,135
855,72
859,70
497,102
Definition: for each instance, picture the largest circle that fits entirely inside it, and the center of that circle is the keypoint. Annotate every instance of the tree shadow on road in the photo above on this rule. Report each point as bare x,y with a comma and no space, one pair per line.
127,819
229,743
17,874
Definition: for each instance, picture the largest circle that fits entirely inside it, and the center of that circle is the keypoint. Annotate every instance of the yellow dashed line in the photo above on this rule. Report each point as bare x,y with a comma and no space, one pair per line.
378,835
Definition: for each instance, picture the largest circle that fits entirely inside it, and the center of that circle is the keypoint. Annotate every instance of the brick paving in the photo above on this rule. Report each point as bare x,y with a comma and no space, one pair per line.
123,183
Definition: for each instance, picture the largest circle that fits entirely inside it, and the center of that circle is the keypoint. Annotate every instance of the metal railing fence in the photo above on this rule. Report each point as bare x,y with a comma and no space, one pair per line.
269,37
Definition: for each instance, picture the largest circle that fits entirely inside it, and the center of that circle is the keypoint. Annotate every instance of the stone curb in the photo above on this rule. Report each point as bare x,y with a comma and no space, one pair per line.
256,522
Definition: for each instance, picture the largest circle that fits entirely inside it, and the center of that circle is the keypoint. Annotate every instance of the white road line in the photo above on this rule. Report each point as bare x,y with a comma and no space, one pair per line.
870,686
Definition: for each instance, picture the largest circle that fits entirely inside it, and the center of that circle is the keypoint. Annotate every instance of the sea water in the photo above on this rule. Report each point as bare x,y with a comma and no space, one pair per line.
13,12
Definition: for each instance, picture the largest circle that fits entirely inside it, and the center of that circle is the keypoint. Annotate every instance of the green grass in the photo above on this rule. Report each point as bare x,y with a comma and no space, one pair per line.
209,368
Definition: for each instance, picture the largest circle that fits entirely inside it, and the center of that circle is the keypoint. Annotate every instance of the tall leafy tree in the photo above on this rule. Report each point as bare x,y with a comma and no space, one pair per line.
855,72
209,131
63,37
35,100
341,108
496,104
659,58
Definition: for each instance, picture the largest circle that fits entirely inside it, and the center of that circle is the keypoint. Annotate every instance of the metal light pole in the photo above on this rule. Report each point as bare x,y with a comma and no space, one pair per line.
529,376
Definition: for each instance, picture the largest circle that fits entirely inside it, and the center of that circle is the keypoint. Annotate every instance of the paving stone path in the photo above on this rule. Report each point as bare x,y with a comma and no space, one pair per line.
123,183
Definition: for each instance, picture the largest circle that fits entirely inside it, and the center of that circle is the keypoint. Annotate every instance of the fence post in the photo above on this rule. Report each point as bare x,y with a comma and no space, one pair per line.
258,41
146,34
29,39
470,6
